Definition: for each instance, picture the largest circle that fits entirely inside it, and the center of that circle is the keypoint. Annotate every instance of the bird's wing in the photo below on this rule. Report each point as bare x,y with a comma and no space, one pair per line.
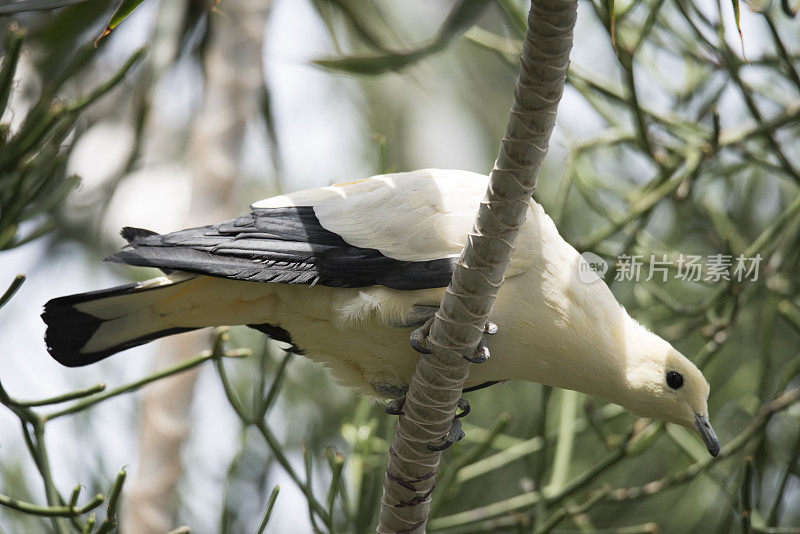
413,216
402,231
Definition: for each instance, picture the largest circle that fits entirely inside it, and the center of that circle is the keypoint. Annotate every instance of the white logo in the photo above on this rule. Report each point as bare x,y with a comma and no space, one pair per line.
591,268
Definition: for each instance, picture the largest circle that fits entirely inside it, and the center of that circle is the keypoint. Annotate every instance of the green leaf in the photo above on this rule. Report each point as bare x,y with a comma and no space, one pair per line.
735,4
13,288
13,46
496,43
463,16
356,20
373,65
45,228
124,9
36,5
515,16
57,196
611,26
270,504
63,35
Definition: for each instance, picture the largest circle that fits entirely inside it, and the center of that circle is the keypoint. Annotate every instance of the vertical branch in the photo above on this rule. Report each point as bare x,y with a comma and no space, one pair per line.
459,324
747,482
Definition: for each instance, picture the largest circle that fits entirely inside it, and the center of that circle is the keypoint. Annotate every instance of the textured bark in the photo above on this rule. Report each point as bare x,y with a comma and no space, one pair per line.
458,327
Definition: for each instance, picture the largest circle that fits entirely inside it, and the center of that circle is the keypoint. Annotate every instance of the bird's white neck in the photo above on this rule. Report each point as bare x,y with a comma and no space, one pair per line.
578,338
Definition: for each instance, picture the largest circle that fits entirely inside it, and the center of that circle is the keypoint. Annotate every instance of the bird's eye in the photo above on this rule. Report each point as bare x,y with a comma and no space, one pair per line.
674,380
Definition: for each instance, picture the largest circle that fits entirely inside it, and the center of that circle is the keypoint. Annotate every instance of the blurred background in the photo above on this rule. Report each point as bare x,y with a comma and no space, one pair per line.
675,136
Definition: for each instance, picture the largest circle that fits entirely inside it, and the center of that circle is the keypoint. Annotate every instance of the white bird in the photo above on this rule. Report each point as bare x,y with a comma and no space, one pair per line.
345,272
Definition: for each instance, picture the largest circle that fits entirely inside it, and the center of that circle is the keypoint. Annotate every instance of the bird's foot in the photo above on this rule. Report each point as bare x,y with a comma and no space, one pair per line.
419,336
482,351
456,433
395,394
395,406
418,339
421,317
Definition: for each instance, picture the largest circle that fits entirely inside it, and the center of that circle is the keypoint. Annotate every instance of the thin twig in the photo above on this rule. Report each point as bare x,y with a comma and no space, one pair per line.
133,386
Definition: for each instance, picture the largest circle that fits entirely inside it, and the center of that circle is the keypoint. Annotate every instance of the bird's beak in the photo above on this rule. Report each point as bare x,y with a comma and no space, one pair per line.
707,433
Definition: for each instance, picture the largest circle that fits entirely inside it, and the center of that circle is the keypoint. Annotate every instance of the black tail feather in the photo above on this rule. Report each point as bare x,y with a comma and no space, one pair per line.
69,330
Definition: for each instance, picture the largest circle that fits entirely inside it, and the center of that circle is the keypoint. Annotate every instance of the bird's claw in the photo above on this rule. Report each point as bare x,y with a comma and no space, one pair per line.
490,328
463,405
395,406
482,351
395,394
419,336
456,433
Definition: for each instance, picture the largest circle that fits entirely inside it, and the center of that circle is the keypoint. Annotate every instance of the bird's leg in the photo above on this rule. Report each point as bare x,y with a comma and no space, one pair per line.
422,317
418,315
395,394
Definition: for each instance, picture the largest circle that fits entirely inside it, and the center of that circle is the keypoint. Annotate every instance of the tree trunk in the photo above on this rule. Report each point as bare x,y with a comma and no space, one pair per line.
232,92
439,378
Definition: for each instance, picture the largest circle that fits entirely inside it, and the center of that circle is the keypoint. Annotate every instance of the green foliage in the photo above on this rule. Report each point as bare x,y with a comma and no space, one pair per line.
268,514
704,162
665,178
82,518
27,6
735,4
123,11
32,184
462,17
33,159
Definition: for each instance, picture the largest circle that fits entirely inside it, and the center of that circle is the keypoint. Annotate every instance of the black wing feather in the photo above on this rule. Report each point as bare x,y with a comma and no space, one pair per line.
279,245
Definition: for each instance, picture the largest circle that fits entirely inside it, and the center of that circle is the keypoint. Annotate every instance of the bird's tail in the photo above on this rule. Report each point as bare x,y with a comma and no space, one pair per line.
87,327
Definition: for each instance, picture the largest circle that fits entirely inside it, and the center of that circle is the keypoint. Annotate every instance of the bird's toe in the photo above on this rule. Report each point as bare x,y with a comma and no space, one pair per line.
481,352
490,328
395,406
455,434
463,405
418,338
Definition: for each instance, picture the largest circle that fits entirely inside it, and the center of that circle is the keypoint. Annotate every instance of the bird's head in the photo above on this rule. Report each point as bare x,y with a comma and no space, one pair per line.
666,385
581,338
